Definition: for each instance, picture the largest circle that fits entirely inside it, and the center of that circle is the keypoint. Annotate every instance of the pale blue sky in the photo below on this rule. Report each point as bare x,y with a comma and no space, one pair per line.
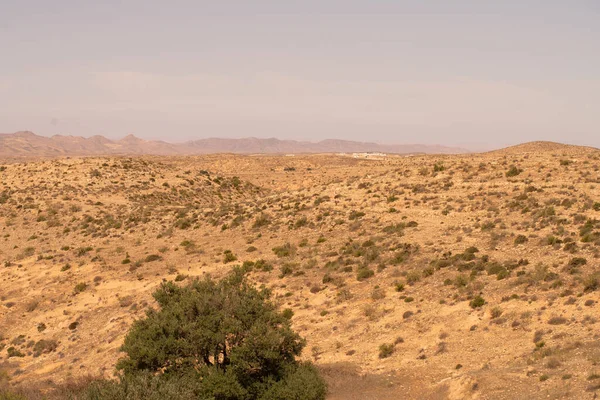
464,72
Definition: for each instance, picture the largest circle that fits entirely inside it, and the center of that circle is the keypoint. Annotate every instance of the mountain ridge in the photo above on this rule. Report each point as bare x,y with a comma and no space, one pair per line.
29,144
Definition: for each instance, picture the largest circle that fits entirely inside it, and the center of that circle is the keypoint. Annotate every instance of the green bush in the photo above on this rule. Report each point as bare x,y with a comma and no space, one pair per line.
80,287
513,171
228,257
520,239
364,273
262,265
212,340
152,257
14,352
355,215
386,350
44,346
477,302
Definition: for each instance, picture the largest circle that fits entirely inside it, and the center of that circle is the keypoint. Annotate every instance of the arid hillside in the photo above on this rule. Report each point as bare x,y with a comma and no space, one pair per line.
426,277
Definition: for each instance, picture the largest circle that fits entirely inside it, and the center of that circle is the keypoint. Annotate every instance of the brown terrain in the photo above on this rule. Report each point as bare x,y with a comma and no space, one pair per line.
427,277
28,144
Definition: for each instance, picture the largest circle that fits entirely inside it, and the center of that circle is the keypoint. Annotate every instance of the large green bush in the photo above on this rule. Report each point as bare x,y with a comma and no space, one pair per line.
212,340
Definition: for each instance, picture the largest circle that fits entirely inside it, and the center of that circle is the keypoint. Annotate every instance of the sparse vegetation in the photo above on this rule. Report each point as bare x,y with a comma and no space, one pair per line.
438,250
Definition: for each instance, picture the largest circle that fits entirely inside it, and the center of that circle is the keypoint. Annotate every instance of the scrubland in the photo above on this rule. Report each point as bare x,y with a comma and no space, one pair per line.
462,276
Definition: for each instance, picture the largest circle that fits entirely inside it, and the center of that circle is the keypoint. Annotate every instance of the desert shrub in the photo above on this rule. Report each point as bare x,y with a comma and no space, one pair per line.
557,321
228,257
587,232
80,287
287,313
460,281
591,282
574,263
262,265
520,239
513,171
378,293
397,229
303,221
355,215
488,226
152,257
499,270
13,352
386,350
364,273
438,167
320,200
180,277
183,223
551,240
261,220
477,302
496,312
285,250
65,267
27,252
413,277
31,306
247,266
44,346
83,251
286,269
571,247
215,340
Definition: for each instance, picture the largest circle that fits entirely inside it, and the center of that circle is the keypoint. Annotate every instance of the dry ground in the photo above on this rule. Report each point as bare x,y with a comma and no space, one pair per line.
460,277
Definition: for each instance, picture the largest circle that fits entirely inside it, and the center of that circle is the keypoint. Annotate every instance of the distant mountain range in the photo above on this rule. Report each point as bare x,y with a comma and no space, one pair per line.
28,144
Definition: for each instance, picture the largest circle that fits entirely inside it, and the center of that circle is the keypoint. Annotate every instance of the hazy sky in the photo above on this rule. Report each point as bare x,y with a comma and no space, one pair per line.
450,72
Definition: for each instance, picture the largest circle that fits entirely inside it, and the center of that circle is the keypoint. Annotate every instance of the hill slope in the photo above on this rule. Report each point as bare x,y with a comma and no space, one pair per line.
542,146
429,276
